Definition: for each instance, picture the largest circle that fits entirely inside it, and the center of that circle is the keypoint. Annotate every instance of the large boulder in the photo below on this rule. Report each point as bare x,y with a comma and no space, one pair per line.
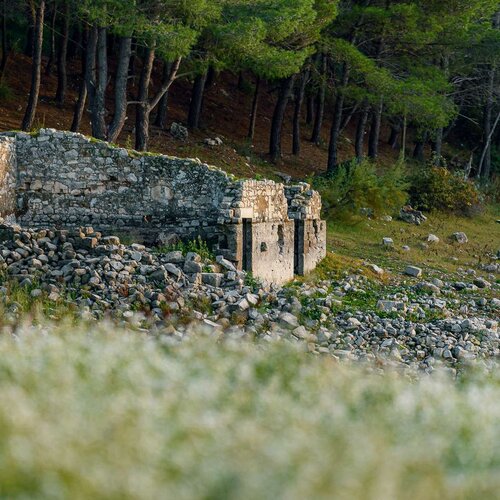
179,132
412,216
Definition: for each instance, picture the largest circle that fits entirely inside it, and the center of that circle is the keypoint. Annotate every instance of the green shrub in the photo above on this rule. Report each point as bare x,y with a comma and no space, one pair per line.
437,188
355,186
198,245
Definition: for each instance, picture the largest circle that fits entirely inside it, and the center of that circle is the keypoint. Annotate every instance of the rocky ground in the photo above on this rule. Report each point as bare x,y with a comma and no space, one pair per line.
408,319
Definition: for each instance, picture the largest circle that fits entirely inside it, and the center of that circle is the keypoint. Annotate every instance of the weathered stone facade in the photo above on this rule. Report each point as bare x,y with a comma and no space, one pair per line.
61,179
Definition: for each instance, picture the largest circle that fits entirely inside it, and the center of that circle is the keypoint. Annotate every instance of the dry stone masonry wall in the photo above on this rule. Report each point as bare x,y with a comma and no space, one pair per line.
65,180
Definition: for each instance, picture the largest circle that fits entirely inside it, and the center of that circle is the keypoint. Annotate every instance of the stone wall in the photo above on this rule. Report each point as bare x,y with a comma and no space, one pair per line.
71,180
62,179
7,176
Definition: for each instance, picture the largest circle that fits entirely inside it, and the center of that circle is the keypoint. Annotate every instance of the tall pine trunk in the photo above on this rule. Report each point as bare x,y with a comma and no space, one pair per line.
99,102
143,111
253,113
82,92
320,103
437,146
393,140
419,150
29,115
195,106
146,105
161,115
337,123
5,43
278,118
31,14
360,132
121,79
62,56
299,99
375,126
309,110
52,53
90,67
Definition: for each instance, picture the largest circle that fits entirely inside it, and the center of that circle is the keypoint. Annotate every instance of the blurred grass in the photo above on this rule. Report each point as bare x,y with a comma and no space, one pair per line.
109,414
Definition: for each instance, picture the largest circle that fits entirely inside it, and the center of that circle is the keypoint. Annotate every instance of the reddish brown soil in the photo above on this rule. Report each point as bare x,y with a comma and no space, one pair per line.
225,114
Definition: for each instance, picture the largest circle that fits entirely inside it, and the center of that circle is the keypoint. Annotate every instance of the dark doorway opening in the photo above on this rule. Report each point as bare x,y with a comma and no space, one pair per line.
247,245
298,247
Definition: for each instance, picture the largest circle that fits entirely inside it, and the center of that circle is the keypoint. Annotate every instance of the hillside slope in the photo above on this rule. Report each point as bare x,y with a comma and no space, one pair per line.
225,114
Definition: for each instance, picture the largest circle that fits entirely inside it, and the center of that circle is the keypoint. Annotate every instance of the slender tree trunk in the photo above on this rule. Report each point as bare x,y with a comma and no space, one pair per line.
31,13
90,68
487,123
375,131
346,119
29,115
405,133
99,102
419,151
360,131
196,101
278,118
133,60
5,44
336,124
52,53
76,39
161,115
211,77
253,113
309,110
320,103
487,147
82,93
62,56
437,146
299,99
485,167
395,132
145,105
143,109
121,80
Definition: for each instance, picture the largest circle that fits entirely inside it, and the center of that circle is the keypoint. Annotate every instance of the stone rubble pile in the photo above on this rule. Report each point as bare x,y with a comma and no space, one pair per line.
424,322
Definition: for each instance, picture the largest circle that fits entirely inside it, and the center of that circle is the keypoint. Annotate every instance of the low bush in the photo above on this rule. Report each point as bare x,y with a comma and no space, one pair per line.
198,245
354,187
437,188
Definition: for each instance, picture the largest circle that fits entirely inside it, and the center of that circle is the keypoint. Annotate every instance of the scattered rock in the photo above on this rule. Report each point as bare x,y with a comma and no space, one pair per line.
432,238
460,237
376,269
391,306
413,271
388,242
482,283
213,142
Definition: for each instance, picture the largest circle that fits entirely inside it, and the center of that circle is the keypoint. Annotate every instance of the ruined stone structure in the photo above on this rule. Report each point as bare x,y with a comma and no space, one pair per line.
62,179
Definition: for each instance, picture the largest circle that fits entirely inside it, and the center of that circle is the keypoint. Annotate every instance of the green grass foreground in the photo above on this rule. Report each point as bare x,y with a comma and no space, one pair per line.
111,414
